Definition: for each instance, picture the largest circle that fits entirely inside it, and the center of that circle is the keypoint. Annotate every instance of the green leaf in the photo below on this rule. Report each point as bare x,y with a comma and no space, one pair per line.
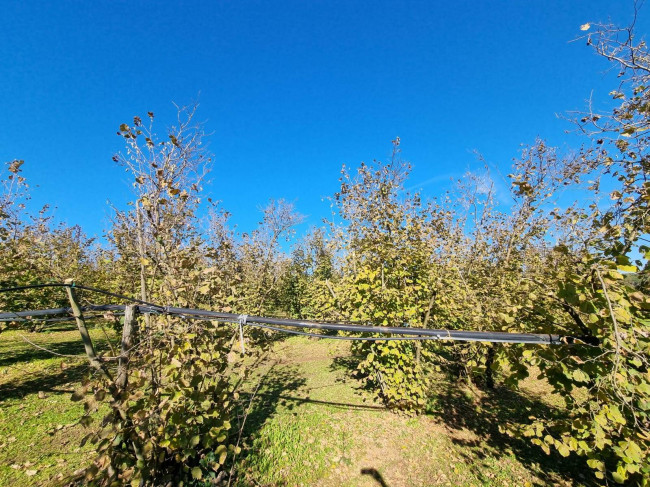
615,414
619,477
197,473
580,376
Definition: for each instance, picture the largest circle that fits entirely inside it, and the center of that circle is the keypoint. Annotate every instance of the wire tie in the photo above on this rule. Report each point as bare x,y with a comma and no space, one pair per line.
243,319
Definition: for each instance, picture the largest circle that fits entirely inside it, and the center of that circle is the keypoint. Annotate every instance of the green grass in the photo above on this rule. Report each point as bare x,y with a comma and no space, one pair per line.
313,425
308,423
39,434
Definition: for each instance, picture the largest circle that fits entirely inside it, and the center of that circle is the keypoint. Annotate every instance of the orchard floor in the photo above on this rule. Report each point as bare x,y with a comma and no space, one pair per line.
313,425
39,430
309,423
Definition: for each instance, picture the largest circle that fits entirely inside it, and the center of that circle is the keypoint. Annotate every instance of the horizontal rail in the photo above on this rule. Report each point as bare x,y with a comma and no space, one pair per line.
406,332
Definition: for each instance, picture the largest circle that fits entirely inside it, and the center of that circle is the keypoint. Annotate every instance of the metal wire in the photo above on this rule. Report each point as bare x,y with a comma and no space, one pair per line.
279,324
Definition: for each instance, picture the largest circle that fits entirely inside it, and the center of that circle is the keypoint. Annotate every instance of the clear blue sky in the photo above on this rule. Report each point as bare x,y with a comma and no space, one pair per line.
289,90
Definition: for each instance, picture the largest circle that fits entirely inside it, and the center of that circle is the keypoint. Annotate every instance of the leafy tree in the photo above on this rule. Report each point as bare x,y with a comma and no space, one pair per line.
386,274
607,386
171,409
261,264
33,251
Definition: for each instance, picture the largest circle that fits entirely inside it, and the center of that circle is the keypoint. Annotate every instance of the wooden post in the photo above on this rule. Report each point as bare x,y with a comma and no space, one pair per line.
125,351
489,375
141,250
83,331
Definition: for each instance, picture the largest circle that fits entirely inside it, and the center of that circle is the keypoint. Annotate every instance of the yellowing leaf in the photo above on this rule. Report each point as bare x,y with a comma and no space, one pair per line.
596,464
585,26
563,449
627,268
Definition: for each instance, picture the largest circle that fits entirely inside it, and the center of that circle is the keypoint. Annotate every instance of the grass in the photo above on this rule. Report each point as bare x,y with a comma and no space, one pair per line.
309,423
39,434
313,425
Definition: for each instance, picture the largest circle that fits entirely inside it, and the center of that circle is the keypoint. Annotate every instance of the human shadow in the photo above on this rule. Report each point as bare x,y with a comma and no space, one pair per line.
484,416
374,473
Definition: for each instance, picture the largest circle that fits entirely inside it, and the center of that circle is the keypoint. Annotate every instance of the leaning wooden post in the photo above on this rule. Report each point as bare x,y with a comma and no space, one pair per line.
127,344
83,331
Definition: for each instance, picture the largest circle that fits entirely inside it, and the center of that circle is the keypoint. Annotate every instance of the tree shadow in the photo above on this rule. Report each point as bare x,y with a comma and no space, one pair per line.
50,377
482,417
298,401
29,353
260,405
44,381
256,407
349,365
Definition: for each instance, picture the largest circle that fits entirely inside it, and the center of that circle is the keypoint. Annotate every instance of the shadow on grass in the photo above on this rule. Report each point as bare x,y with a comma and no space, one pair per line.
270,394
50,377
297,401
256,408
46,381
460,412
29,353
374,473
348,364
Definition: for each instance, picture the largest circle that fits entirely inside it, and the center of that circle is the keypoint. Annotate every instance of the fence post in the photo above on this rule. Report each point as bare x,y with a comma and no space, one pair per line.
83,331
125,350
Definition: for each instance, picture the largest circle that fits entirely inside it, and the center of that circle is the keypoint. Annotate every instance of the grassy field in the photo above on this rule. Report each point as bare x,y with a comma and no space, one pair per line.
313,425
39,434
308,423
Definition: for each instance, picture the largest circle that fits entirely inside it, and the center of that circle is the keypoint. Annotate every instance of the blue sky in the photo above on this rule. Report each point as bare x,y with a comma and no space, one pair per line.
289,90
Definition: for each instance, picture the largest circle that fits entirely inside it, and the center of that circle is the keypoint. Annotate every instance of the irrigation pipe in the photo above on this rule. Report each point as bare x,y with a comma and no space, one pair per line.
280,324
